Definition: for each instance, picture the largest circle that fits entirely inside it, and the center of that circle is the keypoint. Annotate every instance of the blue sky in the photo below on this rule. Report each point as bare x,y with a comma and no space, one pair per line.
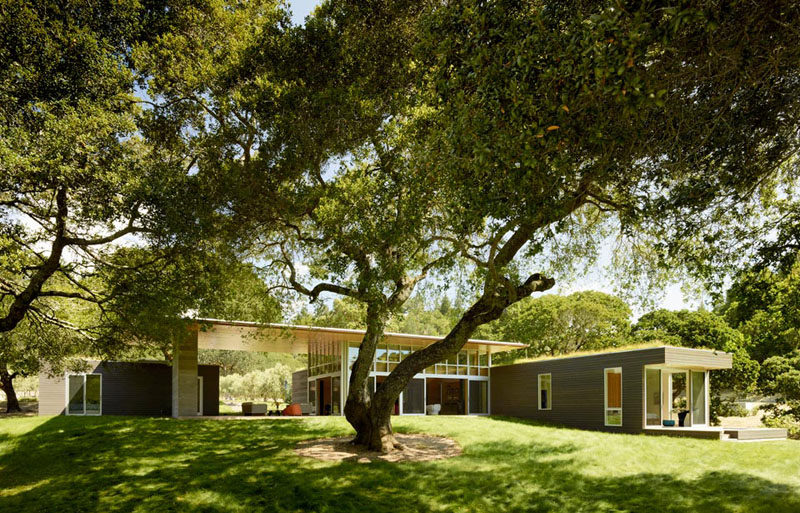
301,9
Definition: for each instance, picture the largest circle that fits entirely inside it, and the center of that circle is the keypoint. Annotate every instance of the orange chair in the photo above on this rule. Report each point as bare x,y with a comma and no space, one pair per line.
293,410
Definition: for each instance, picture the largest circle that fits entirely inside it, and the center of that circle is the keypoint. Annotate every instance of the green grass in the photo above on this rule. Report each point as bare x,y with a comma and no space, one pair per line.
133,464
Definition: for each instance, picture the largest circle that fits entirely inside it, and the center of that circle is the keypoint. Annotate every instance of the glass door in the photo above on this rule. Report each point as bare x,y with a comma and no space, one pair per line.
699,398
414,397
679,397
75,395
84,394
653,397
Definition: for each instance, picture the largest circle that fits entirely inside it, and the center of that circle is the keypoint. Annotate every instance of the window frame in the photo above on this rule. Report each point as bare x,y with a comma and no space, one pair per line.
606,409
539,392
66,394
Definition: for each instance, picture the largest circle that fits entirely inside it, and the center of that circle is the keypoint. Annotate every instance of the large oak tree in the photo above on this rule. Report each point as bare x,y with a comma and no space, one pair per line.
384,143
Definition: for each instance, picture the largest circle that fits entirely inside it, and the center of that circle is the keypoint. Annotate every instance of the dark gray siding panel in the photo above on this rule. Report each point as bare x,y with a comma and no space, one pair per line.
210,374
300,386
136,388
577,385
131,388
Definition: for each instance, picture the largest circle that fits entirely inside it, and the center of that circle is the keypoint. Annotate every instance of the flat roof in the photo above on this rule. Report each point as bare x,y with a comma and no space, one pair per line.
356,334
653,347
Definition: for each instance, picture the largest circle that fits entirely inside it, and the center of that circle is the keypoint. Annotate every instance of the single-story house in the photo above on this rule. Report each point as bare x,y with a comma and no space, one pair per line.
633,390
458,386
630,391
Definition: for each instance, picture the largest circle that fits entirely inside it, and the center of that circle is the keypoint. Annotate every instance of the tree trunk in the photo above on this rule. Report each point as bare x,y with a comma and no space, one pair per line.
372,418
7,385
358,406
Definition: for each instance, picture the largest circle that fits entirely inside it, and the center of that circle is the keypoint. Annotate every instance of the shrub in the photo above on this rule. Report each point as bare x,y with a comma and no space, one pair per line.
783,415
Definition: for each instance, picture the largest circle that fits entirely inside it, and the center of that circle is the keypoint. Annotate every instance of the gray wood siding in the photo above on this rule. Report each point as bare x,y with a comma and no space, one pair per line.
577,389
699,358
131,388
52,395
210,374
300,386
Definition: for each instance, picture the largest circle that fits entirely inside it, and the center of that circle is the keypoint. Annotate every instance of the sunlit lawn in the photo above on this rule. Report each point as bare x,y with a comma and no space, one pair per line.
135,464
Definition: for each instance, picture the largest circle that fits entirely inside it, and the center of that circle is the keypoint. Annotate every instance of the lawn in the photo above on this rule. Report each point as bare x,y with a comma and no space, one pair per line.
135,464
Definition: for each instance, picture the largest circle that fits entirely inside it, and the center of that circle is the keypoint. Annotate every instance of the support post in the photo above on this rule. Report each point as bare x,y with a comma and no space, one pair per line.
184,376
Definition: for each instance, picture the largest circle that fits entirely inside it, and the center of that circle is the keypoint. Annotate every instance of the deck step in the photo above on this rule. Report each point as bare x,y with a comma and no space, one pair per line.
756,433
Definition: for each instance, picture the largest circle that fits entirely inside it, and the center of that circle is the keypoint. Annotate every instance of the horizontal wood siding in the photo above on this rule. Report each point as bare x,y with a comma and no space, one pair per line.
577,389
698,358
210,374
52,395
136,388
300,386
131,388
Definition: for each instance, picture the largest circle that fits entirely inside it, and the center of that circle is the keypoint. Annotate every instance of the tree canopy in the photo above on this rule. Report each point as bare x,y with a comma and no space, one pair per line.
553,325
495,143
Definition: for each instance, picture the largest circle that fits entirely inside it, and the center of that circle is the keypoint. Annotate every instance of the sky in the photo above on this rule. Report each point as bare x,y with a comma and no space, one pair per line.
300,9
672,297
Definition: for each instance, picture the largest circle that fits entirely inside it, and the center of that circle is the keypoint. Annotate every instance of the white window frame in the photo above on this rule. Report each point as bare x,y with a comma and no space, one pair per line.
199,395
606,409
66,394
539,392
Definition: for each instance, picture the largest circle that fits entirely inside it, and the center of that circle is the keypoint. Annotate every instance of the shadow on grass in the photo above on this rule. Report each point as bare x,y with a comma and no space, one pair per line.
123,464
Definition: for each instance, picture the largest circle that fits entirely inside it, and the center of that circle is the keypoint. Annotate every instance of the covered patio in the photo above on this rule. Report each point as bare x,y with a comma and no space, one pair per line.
463,380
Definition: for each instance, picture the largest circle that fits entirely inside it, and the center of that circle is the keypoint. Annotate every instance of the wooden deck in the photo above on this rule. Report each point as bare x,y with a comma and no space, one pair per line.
720,433
711,433
752,434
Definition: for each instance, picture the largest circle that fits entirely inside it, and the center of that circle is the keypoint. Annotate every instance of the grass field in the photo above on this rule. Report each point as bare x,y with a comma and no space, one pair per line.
133,464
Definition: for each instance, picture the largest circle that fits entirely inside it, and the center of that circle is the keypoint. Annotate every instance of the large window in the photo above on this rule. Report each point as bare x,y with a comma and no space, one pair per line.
478,397
545,391
84,394
613,396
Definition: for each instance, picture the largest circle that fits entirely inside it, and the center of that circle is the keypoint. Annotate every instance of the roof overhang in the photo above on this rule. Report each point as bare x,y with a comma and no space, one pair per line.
287,338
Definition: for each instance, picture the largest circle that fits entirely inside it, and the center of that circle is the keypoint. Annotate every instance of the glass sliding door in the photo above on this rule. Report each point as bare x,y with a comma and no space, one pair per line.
414,397
479,397
93,394
335,397
653,399
698,397
84,394
679,396
75,395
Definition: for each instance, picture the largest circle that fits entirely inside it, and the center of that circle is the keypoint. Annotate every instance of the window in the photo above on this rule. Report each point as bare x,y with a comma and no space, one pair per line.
84,394
613,396
312,394
545,391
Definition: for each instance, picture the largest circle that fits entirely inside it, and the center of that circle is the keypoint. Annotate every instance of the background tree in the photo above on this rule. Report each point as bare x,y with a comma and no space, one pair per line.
703,329
763,304
554,325
76,179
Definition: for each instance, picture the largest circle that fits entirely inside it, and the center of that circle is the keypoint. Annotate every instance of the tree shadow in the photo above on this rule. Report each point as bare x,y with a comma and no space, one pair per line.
122,464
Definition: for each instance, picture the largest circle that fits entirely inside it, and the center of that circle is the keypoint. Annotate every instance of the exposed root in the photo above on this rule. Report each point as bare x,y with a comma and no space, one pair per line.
404,448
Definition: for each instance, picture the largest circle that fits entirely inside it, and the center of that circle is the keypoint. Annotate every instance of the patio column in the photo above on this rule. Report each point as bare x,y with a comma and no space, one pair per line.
184,376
